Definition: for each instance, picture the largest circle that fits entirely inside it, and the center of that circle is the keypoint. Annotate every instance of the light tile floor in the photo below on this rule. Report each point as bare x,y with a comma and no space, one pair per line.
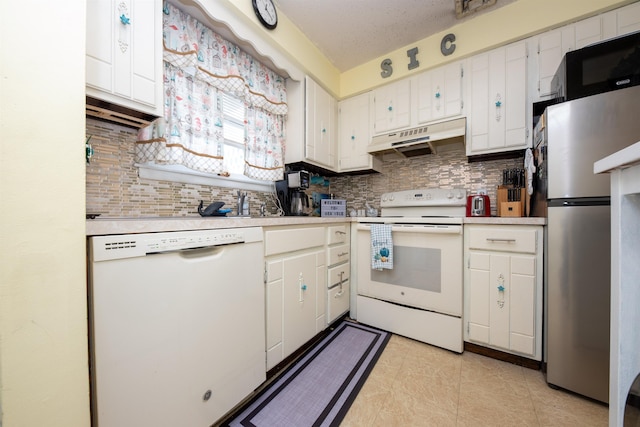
415,384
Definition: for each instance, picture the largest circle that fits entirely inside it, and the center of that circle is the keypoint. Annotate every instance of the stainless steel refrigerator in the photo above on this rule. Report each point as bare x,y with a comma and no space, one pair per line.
578,240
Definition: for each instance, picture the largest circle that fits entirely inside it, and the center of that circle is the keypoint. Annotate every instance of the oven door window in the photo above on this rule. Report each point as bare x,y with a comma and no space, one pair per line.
417,268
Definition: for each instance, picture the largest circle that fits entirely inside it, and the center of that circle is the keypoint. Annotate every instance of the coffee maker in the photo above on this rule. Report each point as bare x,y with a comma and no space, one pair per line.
290,192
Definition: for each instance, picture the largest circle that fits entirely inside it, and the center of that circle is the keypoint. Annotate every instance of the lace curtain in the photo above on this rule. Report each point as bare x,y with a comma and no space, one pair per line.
198,64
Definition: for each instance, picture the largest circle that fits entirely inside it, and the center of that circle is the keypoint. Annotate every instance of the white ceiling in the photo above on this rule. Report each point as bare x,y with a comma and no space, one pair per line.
352,32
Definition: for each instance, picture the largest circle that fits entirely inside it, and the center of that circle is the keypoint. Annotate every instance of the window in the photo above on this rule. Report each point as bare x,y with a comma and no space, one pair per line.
233,126
234,147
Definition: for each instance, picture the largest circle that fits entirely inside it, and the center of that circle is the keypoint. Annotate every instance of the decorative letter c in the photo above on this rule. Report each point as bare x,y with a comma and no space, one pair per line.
447,47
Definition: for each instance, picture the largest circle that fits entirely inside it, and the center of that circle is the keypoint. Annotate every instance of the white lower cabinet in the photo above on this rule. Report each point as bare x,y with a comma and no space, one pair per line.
503,288
303,295
295,273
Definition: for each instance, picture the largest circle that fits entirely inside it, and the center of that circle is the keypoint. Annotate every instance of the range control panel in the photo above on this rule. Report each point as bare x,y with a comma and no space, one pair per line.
424,197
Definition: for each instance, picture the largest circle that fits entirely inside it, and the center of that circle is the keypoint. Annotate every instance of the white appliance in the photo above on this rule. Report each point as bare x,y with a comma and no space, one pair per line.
421,296
177,325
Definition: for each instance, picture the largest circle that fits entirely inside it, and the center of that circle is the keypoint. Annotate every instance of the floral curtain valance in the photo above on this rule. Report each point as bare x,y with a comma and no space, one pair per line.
190,134
189,44
198,66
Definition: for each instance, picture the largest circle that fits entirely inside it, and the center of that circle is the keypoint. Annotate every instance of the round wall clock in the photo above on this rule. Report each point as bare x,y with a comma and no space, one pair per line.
266,12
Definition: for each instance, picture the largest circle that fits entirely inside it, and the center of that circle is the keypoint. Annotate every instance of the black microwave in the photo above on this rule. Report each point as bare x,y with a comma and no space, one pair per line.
602,67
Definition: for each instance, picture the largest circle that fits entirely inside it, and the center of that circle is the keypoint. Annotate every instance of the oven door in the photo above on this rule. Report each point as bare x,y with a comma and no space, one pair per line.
427,267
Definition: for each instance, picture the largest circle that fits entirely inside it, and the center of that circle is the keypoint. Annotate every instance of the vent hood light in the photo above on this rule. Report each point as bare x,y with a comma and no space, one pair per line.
418,141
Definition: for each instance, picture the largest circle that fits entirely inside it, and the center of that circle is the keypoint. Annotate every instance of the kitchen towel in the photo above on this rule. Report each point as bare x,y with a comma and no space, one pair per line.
531,169
381,247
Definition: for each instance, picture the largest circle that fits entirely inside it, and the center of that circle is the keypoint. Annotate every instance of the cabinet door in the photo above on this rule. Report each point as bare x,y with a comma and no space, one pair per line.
502,305
628,19
299,308
588,31
552,46
522,318
392,106
478,316
124,53
321,121
499,307
354,132
439,93
498,100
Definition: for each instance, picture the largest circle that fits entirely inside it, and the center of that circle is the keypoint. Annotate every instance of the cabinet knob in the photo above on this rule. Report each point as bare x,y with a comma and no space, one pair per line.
501,289
303,287
125,19
390,108
353,137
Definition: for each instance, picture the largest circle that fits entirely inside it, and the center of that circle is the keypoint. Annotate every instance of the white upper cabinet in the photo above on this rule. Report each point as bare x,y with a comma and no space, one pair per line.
354,134
627,19
553,45
439,93
124,53
392,106
321,125
498,114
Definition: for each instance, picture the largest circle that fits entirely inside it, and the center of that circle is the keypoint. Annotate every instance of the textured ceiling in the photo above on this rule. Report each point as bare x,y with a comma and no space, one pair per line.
352,32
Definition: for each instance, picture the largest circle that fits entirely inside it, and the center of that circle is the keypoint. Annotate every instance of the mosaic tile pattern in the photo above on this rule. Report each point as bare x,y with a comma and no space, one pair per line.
446,170
115,190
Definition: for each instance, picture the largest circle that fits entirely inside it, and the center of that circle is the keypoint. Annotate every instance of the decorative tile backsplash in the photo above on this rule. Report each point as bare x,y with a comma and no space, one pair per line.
115,190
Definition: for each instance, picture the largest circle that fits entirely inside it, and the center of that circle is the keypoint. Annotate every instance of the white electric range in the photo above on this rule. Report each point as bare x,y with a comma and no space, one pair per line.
420,297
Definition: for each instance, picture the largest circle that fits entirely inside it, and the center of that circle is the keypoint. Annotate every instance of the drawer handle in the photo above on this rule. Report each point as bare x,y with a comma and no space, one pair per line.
343,254
491,239
341,291
340,232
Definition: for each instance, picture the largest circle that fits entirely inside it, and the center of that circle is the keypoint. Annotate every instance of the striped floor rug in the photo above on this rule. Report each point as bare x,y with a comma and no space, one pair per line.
320,387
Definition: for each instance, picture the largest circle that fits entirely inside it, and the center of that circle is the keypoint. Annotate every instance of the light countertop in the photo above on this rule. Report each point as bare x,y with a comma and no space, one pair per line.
619,160
107,226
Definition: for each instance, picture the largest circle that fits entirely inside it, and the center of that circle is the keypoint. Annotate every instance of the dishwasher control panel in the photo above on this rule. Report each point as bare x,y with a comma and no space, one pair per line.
103,248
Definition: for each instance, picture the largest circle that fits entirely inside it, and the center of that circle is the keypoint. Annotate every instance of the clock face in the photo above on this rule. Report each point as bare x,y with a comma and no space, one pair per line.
266,13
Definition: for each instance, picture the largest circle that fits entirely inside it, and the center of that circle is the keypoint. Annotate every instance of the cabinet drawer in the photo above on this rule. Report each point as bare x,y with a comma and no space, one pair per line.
502,239
338,301
293,239
338,274
337,234
338,254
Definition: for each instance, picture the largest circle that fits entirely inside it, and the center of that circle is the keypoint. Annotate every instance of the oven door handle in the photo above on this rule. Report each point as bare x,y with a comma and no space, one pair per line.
426,229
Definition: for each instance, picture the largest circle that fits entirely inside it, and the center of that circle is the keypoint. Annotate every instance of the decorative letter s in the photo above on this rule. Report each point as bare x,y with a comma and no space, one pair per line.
387,70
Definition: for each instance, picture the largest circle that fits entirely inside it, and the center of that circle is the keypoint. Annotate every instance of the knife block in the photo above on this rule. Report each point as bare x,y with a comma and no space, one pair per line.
505,207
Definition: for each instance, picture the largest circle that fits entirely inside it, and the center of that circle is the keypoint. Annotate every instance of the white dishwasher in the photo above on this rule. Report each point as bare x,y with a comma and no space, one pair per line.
177,325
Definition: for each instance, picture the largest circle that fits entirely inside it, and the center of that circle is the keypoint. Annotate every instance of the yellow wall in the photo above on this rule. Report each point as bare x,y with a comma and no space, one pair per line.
514,21
294,44
43,317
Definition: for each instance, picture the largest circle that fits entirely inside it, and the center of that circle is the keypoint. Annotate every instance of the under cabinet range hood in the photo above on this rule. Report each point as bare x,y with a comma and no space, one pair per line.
428,139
